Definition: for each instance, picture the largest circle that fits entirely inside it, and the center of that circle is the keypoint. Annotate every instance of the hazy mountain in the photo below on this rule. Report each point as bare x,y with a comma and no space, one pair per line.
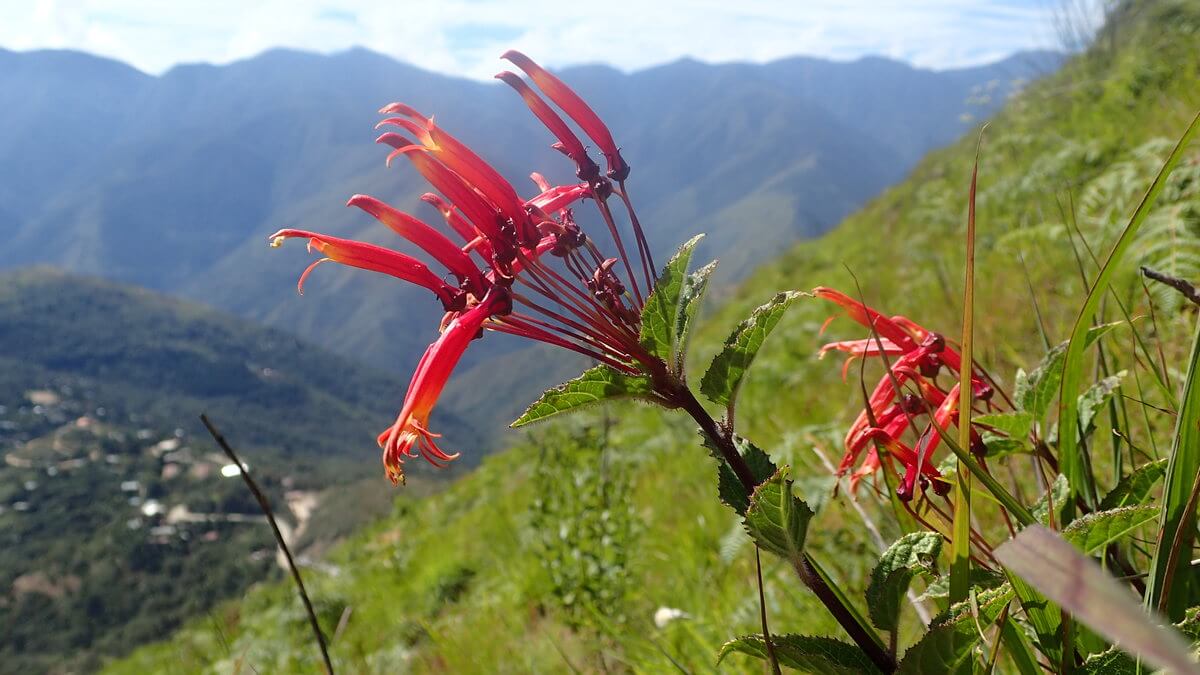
174,182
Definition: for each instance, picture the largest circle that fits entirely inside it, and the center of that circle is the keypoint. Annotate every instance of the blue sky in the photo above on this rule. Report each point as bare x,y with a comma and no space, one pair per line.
465,37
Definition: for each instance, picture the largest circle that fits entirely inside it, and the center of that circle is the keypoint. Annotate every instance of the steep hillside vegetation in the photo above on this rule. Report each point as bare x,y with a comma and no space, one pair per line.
465,582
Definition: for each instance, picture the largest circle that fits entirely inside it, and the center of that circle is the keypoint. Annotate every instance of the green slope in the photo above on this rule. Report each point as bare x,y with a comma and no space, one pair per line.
455,583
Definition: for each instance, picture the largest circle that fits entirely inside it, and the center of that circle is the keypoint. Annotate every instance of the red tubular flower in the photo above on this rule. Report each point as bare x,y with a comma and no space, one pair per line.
568,142
428,239
411,430
570,102
869,317
908,391
571,298
368,257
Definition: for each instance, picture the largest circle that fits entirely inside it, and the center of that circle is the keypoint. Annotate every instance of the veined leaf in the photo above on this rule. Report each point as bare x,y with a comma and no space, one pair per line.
1035,391
1092,596
597,384
1001,446
690,298
1058,494
1015,425
661,312
810,654
776,519
730,489
720,384
1094,531
1070,459
912,555
1112,661
1096,397
947,645
1132,489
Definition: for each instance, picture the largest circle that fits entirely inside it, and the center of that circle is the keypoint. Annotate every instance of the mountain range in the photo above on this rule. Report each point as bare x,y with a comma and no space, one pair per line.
173,182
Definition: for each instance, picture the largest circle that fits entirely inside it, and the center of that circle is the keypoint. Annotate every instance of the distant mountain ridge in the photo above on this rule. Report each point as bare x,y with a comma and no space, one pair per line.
173,182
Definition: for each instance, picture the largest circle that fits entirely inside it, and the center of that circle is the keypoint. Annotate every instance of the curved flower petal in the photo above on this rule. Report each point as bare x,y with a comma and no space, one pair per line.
370,257
868,317
575,107
410,433
428,239
568,142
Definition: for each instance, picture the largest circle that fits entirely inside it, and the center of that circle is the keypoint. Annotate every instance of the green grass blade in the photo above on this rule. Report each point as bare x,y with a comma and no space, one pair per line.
960,544
1071,460
1167,588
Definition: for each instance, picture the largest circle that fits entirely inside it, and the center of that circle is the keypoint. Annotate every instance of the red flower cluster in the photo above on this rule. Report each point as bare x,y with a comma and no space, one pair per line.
520,266
906,393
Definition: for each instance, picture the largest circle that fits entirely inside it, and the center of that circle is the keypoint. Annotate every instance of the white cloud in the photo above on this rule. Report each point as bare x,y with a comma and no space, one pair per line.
465,37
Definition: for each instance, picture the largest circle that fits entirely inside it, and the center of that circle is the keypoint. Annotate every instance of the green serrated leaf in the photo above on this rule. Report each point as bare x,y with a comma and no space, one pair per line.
1110,662
660,314
948,645
776,519
1001,446
720,384
1035,391
1134,488
689,304
597,384
1094,398
1059,492
806,653
1094,531
730,489
912,555
1015,425
981,579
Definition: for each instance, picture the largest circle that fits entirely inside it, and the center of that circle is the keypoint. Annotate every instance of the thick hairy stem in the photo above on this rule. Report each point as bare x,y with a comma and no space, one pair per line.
722,439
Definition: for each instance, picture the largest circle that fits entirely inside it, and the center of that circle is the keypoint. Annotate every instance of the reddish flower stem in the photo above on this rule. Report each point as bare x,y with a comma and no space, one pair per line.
643,246
676,393
604,340
589,339
503,325
602,205
591,316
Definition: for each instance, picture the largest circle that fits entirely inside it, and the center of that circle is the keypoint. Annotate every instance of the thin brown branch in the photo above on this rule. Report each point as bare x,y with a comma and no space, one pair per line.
265,505
1186,288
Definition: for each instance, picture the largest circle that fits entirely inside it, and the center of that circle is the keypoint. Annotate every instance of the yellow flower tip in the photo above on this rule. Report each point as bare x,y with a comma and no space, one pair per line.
277,242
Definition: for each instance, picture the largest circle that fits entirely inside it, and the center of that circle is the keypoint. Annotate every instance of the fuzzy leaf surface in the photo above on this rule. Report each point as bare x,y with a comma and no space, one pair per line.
912,555
1093,532
690,298
776,519
660,314
947,646
720,384
1134,488
729,488
595,385
806,653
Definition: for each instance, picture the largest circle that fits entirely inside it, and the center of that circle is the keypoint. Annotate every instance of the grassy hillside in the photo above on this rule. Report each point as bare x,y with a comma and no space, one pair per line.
466,581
